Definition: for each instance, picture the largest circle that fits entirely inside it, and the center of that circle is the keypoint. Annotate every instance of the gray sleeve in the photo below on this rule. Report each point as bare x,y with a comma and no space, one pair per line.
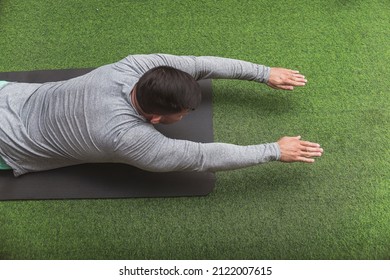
146,148
200,67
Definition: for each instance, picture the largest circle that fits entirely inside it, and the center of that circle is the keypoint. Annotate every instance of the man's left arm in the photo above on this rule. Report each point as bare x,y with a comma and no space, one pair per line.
211,67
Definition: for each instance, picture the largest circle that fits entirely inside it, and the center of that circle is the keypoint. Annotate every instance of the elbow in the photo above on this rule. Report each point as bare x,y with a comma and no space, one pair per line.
174,166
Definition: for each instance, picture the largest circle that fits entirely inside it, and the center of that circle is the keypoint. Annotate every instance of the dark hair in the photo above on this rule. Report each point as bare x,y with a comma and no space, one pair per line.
165,90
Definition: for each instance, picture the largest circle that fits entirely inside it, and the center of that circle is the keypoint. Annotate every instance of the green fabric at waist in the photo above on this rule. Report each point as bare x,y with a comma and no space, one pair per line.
3,83
3,165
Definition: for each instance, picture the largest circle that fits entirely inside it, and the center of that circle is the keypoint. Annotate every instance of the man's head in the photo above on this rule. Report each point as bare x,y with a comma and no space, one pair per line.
167,94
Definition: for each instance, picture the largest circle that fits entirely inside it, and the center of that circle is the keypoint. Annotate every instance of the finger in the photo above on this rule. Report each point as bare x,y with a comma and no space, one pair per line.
293,78
305,159
299,79
272,86
297,75
311,154
296,82
310,144
285,87
312,150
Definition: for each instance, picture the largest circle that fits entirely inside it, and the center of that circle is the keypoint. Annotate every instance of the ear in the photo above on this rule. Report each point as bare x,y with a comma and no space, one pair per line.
155,119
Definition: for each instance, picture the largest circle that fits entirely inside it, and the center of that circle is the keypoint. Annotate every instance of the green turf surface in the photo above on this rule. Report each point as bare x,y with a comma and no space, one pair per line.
337,208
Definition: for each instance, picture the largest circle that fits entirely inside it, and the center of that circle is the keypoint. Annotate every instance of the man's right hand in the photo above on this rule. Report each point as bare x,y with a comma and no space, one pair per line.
293,149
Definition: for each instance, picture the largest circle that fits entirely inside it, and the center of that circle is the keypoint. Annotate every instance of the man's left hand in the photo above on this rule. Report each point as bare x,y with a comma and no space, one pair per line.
281,78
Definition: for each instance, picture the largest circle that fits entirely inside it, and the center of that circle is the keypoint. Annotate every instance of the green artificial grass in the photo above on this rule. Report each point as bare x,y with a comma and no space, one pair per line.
337,208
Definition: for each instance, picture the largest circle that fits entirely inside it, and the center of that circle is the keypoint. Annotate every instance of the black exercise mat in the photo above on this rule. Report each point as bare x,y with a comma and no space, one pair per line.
103,180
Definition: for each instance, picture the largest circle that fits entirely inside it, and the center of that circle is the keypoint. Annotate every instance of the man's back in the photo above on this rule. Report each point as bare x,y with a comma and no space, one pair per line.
67,122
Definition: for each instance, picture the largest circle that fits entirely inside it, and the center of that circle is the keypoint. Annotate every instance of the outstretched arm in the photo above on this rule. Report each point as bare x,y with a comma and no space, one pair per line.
200,67
148,149
211,67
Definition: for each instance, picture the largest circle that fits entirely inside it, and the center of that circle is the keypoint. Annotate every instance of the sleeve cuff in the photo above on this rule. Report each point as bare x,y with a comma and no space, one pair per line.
263,73
277,150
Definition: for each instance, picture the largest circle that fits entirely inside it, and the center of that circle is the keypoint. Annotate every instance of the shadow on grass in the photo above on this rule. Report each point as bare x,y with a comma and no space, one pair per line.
264,102
267,179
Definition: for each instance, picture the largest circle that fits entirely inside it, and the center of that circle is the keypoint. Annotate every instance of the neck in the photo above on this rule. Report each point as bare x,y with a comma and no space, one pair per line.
134,100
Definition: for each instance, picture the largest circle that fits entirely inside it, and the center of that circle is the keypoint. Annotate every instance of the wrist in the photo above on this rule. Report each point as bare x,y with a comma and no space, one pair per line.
264,73
278,153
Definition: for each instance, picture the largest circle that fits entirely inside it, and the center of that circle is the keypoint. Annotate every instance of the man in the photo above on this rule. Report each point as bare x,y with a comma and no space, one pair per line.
108,114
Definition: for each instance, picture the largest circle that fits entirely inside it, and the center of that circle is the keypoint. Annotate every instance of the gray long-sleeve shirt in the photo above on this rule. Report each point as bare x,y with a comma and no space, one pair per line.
91,119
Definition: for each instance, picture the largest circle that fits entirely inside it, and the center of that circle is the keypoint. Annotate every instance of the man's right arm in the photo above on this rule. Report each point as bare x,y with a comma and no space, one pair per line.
146,148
